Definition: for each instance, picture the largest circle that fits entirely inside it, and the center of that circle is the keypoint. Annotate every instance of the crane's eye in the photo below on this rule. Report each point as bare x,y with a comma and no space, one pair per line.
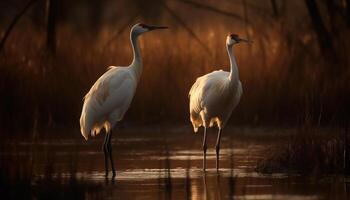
234,37
142,25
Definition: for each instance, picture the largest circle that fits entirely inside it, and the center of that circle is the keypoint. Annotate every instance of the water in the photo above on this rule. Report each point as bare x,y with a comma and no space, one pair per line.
155,164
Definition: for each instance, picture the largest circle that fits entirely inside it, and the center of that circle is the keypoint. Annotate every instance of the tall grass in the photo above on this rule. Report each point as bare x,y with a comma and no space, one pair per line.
284,76
20,177
309,151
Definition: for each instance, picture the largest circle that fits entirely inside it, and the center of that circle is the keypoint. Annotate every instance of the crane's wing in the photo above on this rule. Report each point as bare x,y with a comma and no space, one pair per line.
210,85
195,102
108,99
206,88
195,95
202,81
214,92
100,88
115,90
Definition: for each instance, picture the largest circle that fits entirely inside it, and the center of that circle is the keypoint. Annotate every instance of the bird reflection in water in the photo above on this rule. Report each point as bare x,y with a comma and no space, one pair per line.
218,187
205,187
167,180
231,180
188,179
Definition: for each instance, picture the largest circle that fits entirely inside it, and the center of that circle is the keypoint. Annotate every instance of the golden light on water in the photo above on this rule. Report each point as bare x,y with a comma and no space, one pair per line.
295,77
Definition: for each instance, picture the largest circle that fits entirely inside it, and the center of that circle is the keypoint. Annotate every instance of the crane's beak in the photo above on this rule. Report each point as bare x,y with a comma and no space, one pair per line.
245,40
151,28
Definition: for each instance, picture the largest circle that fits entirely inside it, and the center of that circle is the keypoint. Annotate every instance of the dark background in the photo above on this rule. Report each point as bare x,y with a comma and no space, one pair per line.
295,73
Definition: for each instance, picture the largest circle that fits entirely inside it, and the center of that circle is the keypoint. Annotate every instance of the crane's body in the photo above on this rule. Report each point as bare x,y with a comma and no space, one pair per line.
110,96
214,96
104,105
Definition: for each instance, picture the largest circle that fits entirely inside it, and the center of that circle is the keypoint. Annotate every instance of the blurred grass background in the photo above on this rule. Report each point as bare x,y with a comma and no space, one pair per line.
296,72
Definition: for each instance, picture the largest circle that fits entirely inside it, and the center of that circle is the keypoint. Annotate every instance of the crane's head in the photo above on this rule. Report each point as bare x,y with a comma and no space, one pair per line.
235,39
140,28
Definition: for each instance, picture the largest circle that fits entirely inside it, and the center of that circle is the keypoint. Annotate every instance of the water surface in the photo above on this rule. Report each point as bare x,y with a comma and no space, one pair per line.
156,164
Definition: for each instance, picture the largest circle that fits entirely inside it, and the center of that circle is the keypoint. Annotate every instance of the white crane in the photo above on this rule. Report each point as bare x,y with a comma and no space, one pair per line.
214,96
110,97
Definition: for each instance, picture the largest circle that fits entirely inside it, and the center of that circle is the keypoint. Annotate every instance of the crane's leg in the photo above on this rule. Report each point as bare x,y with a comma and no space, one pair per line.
217,148
105,151
204,148
109,147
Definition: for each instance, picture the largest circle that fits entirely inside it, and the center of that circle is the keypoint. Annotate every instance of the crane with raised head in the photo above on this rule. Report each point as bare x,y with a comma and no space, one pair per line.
110,96
214,96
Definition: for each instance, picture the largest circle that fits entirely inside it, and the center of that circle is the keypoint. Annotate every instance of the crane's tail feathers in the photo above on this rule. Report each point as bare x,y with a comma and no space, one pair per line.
196,124
94,131
86,137
85,133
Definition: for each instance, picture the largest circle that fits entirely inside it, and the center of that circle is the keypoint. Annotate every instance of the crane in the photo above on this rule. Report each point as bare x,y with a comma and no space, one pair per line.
110,96
214,96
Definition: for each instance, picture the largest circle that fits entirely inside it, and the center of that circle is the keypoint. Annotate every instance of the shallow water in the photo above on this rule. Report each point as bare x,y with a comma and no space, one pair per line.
155,164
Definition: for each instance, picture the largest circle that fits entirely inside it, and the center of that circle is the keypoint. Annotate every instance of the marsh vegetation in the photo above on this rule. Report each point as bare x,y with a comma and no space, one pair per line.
296,75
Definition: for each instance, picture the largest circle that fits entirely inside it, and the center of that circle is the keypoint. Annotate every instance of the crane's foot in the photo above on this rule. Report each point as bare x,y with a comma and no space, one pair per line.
113,174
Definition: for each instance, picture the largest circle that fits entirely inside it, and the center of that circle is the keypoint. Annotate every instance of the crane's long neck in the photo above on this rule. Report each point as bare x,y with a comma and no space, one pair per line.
234,74
136,64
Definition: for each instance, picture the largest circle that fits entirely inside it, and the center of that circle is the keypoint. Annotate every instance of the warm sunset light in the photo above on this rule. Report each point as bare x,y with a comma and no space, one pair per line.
175,99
